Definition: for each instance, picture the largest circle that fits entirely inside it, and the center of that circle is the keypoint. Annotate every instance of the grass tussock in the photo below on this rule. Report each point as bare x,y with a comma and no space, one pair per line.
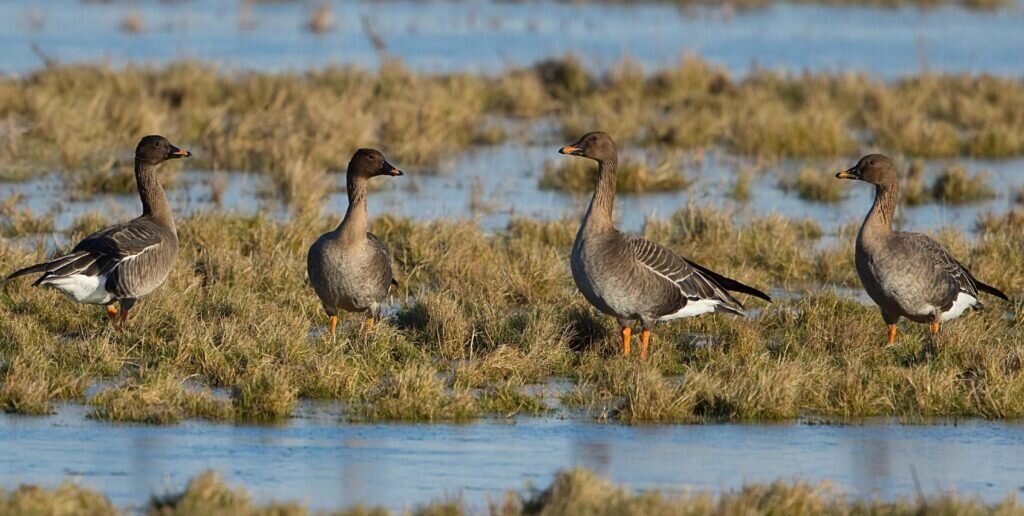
208,494
74,118
634,176
66,499
956,186
133,23
812,184
264,396
769,114
571,492
18,221
983,5
158,399
485,320
322,19
953,185
417,393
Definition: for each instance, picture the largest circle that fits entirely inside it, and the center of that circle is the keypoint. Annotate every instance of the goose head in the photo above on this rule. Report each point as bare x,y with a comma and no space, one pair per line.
371,163
876,169
155,149
597,146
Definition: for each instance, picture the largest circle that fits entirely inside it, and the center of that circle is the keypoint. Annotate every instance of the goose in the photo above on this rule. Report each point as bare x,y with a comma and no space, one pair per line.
633,279
350,268
124,262
907,274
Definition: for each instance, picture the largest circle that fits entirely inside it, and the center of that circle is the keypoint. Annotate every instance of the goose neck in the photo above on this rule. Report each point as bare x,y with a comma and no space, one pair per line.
599,215
151,192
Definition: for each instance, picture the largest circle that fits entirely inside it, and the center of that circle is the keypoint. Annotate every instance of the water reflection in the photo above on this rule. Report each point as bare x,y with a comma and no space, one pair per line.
445,36
329,464
508,176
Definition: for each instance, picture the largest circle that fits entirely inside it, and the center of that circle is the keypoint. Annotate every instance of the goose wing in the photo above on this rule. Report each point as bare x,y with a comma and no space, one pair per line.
384,257
101,252
696,282
957,276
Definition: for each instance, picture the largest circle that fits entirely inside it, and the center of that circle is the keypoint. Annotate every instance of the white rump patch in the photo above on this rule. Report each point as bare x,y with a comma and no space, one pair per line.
963,302
692,309
82,288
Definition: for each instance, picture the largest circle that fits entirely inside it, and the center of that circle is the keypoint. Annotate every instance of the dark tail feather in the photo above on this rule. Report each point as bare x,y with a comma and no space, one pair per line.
60,261
39,267
988,289
731,310
731,284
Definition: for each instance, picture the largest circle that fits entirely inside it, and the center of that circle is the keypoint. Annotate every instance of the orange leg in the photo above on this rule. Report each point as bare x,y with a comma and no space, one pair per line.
892,333
936,326
369,325
334,326
645,338
111,312
625,340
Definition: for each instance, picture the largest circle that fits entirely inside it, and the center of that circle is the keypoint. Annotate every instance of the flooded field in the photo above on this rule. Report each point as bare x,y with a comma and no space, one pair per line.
488,36
492,184
313,458
487,343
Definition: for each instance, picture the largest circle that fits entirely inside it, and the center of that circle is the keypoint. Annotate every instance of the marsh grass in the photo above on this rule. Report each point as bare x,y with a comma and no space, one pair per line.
887,4
17,221
957,186
75,117
953,185
914,191
132,23
322,19
740,190
486,319
68,498
634,176
417,393
160,399
571,492
813,184
265,396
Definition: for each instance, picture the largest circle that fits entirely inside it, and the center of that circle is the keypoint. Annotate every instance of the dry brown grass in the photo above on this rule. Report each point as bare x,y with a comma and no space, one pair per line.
263,122
572,492
157,398
956,186
891,4
17,221
322,19
813,184
768,114
133,23
634,176
484,318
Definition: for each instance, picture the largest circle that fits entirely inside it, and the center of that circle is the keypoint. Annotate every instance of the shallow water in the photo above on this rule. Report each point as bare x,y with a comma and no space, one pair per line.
493,184
326,463
487,36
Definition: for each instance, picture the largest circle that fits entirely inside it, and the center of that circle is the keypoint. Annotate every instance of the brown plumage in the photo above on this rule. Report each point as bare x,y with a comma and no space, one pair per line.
124,262
907,274
633,279
349,268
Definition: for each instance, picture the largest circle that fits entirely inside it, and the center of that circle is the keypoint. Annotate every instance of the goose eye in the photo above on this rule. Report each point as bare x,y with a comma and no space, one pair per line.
159,144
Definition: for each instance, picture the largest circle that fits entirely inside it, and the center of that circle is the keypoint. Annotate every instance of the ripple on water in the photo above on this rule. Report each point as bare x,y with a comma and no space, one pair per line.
447,36
328,463
508,176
